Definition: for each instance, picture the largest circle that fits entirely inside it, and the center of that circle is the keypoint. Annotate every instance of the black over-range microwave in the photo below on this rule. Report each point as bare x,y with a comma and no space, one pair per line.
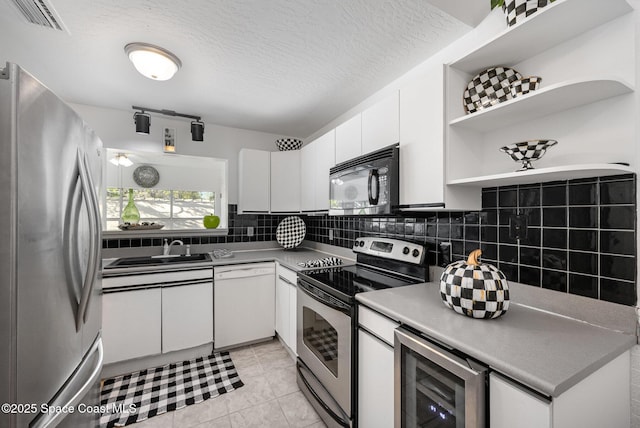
366,185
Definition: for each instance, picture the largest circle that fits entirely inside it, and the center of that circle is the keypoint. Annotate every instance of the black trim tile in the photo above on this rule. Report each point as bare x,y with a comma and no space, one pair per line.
489,198
508,253
532,238
583,194
618,242
618,192
470,246
530,275
505,215
583,262
529,196
530,256
554,238
554,195
583,285
618,217
509,270
457,231
534,215
583,217
489,217
554,259
444,230
554,217
583,239
618,291
472,233
472,217
457,247
489,233
508,197
504,236
553,280
489,251
618,267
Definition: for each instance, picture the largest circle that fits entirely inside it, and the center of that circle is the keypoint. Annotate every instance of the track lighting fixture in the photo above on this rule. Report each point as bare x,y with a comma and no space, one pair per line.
142,121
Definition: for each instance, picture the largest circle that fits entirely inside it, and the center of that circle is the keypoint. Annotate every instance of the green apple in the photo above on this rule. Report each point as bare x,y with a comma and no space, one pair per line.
211,221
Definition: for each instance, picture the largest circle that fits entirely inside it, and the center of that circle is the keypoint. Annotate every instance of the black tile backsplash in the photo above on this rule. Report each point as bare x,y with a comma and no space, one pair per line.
580,238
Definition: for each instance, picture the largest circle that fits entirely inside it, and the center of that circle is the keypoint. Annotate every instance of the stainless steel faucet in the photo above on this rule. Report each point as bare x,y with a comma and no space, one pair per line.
167,248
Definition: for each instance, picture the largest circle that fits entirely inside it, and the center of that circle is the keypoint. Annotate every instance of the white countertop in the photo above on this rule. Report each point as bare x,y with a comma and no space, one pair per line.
548,352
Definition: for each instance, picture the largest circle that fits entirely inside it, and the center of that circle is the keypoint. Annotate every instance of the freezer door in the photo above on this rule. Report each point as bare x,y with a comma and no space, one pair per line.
57,242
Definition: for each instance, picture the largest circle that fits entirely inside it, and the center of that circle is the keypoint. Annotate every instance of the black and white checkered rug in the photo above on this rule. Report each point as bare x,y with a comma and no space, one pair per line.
141,395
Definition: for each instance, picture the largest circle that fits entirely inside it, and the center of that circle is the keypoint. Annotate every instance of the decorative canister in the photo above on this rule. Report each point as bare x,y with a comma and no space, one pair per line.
517,10
475,289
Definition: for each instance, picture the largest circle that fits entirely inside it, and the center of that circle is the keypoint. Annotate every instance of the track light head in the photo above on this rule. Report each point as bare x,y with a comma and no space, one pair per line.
197,130
142,121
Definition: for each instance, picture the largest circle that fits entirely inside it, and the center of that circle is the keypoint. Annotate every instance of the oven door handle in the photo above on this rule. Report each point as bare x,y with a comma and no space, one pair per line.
324,298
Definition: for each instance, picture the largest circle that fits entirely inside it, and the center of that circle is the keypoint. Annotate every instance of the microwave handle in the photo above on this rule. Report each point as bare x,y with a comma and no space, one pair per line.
373,200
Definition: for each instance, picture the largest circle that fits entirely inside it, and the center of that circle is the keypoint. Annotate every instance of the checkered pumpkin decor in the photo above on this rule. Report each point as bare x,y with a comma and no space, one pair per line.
475,289
285,144
518,9
291,232
491,86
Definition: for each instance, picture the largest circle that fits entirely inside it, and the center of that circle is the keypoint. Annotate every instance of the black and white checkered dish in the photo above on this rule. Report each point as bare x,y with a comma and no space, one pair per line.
528,151
478,291
488,88
525,85
291,232
138,396
285,144
516,10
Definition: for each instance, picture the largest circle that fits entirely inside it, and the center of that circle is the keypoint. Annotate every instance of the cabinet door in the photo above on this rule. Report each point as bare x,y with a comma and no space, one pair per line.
293,325
285,181
422,140
131,324
511,406
253,181
375,382
325,159
349,139
308,166
187,316
381,124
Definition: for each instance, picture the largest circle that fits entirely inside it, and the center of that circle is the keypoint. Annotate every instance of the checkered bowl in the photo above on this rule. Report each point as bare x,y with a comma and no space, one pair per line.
475,289
285,144
525,85
528,151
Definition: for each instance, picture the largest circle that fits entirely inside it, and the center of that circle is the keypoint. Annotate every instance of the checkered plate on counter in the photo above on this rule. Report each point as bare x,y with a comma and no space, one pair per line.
291,232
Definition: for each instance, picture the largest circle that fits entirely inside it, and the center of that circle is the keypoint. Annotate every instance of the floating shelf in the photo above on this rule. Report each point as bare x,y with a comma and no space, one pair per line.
549,27
542,102
538,175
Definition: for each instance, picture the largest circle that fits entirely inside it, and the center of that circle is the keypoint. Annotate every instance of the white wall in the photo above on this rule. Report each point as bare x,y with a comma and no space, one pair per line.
117,130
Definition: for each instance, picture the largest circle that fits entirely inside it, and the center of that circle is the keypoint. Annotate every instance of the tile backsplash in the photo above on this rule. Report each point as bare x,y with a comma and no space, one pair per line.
576,236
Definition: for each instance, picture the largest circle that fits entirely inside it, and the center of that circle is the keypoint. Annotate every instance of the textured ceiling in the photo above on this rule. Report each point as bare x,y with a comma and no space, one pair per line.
280,66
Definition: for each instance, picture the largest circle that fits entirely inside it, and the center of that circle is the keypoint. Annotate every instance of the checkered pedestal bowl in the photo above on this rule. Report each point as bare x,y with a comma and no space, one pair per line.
286,144
528,151
475,289
517,10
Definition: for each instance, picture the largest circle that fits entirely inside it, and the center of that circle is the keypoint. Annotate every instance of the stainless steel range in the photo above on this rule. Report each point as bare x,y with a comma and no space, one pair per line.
326,315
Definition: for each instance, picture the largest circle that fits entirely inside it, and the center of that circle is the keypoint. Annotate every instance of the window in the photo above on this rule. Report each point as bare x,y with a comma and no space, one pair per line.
176,209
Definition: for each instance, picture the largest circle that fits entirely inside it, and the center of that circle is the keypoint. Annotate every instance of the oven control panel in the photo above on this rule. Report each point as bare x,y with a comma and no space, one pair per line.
390,248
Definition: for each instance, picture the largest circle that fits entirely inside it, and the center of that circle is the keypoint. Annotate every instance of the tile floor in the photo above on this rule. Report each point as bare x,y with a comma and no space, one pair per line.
269,398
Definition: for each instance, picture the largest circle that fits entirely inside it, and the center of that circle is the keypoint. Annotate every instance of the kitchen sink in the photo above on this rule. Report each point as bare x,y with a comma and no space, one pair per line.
158,260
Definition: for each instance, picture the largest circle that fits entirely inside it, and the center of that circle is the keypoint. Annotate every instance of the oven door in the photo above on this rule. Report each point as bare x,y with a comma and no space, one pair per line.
434,387
324,341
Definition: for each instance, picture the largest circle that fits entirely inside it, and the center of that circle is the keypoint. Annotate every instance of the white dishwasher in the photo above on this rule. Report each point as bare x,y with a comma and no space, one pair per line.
244,303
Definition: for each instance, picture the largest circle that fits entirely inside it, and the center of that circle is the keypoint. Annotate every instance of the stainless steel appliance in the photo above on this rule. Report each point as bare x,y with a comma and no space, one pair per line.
366,185
327,325
436,387
50,281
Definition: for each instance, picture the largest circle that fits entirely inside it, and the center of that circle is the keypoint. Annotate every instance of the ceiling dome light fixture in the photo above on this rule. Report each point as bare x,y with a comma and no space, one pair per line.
121,159
153,61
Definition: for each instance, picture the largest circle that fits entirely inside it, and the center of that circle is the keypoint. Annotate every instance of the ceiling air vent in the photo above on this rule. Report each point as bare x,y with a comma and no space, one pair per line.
40,12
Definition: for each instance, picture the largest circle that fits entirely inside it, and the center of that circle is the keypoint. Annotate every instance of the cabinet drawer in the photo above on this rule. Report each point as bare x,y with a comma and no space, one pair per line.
287,274
377,324
157,278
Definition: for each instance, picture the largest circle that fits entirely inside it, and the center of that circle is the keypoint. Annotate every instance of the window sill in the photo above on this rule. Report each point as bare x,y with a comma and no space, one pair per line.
160,233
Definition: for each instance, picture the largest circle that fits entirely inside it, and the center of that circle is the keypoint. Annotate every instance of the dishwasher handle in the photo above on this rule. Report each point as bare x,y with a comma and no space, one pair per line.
243,271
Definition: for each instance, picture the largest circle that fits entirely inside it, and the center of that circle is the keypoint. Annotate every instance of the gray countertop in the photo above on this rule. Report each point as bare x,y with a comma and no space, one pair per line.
547,352
287,258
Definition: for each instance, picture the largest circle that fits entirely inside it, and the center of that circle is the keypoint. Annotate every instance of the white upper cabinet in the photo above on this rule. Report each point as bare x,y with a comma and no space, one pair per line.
349,139
585,100
380,124
253,180
285,181
317,158
422,140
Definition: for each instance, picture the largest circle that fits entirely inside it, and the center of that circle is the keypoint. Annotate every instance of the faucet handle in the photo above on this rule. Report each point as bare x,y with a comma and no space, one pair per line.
188,250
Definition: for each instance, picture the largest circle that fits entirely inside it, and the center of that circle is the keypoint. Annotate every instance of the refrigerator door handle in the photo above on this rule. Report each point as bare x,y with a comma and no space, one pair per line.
51,419
95,258
92,265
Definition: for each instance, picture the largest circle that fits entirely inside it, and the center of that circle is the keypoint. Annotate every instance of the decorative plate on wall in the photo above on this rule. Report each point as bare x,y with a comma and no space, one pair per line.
489,87
291,232
146,176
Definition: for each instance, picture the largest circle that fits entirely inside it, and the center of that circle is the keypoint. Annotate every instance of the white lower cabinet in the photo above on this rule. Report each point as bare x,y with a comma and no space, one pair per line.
131,324
375,369
187,316
286,325
512,406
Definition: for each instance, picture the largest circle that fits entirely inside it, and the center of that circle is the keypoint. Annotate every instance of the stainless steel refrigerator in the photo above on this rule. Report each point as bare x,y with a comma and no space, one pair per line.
50,280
